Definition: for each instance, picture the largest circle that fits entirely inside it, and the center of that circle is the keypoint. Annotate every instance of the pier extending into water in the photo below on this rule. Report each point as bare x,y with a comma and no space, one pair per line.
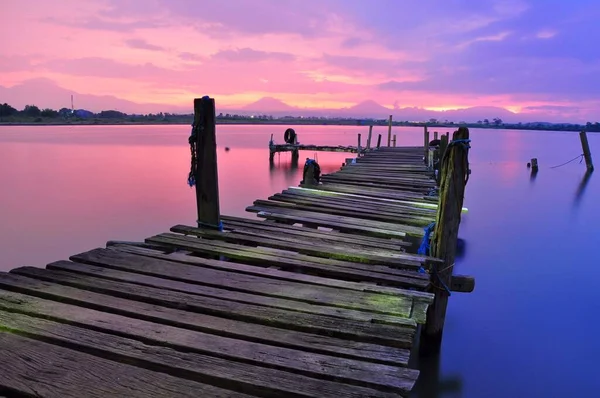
324,294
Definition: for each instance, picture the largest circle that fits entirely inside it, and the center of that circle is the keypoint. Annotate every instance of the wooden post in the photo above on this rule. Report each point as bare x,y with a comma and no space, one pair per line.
534,165
389,130
441,152
207,179
435,135
369,137
587,155
445,237
426,142
379,141
358,145
394,140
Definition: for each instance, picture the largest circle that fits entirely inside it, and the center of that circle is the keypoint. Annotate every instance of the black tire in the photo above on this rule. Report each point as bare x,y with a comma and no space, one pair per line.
289,136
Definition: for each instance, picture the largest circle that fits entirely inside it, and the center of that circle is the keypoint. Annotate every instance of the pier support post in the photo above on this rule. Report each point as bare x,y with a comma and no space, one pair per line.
435,135
587,155
358,147
441,151
379,141
426,143
389,130
455,173
369,137
394,140
206,175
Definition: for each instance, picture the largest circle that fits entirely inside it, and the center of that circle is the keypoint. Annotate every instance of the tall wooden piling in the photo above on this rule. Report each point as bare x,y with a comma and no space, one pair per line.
435,135
454,171
441,152
587,155
379,141
206,175
369,137
389,130
358,154
426,142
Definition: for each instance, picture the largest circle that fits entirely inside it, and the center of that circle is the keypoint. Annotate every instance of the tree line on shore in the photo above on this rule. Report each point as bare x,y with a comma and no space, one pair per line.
32,113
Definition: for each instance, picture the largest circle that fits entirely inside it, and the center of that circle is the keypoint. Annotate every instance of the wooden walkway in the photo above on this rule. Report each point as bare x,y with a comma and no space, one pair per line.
265,308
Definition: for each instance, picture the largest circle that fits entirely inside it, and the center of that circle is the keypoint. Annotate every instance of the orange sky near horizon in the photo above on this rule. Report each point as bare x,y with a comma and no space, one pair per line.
166,52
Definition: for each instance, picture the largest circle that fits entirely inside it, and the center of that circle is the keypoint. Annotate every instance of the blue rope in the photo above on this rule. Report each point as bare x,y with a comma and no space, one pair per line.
446,288
424,248
217,227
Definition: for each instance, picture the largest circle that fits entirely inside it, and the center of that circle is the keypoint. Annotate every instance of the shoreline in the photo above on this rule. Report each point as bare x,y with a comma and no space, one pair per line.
296,122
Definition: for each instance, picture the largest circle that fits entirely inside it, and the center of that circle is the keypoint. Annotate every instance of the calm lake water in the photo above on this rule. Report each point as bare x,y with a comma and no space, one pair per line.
528,330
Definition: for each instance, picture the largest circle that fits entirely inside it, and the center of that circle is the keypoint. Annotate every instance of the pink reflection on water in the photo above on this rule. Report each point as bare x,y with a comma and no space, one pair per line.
71,189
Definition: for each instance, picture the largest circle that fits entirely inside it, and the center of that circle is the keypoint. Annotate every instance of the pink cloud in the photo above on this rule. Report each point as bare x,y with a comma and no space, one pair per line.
334,55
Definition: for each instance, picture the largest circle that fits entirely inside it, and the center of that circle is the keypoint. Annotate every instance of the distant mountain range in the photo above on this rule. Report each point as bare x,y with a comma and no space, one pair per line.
46,94
372,109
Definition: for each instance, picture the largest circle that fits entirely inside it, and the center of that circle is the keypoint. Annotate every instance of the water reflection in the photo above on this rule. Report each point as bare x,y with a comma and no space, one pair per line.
430,384
582,188
288,167
533,175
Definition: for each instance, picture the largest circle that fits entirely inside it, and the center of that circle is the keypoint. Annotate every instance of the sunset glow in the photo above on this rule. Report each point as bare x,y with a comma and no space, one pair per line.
159,54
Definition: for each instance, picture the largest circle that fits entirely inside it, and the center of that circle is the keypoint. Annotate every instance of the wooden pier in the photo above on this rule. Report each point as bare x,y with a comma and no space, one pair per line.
323,295
292,145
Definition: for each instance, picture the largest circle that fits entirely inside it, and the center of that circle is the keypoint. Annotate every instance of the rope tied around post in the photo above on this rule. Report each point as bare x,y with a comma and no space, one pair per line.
464,144
441,282
193,141
194,160
424,248
433,192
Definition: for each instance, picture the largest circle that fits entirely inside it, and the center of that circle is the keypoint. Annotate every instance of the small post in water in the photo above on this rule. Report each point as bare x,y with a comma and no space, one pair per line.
358,145
394,140
455,173
389,130
379,141
435,135
369,137
587,155
534,165
206,176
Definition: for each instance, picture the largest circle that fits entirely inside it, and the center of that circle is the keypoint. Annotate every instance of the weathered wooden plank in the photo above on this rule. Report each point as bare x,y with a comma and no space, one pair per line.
382,193
277,274
36,369
317,222
398,336
369,184
206,323
397,259
308,235
130,276
345,220
294,262
405,218
308,364
393,179
364,202
234,286
235,222
226,374
308,218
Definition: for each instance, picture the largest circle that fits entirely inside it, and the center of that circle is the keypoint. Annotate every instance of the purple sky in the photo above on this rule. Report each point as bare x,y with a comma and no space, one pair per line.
535,57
